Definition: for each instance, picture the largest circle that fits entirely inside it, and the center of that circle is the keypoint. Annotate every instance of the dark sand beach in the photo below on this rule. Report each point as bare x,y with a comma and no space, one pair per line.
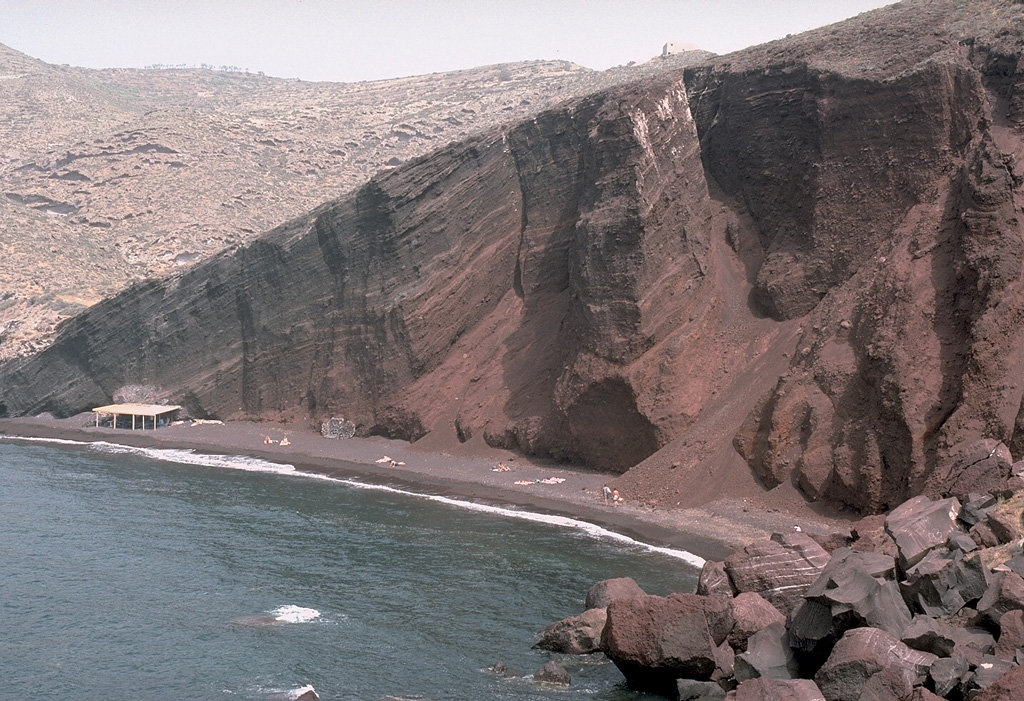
466,471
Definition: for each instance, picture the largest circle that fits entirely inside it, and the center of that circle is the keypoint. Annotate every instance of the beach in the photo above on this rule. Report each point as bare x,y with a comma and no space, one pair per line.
470,472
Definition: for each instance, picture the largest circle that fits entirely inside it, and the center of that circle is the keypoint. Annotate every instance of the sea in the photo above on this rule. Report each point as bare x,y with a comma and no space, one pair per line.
130,573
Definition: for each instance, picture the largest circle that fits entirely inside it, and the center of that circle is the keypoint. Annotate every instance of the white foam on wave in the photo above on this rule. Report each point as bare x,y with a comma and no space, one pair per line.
242,462
294,614
183,456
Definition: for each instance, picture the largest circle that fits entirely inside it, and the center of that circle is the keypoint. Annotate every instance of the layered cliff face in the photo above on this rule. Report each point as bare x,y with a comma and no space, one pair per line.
537,251
800,264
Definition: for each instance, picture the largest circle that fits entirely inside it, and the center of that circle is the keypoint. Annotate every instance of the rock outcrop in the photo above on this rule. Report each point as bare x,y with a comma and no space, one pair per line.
798,264
861,630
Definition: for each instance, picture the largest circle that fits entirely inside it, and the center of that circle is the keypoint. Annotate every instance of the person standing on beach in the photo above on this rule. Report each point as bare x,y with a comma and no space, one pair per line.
616,498
606,492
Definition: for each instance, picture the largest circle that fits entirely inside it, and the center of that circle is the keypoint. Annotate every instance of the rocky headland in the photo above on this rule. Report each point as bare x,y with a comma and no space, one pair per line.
924,603
796,267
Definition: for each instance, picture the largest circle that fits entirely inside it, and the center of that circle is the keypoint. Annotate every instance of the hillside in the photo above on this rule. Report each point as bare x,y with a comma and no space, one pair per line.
797,266
114,176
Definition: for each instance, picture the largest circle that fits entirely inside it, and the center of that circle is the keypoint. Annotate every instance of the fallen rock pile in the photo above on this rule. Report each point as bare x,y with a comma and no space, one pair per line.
924,603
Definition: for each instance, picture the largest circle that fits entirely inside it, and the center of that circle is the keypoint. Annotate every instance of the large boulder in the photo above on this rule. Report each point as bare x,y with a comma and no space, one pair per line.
812,630
920,524
943,582
1011,635
780,569
919,693
858,589
945,640
603,592
1007,688
576,635
988,672
714,580
751,612
768,655
656,640
948,673
863,653
694,690
982,465
1005,593
763,689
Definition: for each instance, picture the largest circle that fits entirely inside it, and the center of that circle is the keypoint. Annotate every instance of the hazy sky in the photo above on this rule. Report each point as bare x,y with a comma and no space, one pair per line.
352,40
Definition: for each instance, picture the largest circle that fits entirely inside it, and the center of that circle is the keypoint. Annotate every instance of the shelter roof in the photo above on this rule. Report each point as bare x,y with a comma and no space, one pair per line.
137,409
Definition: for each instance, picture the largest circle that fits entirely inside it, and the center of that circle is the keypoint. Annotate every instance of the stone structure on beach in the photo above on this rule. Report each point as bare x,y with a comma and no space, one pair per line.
926,604
799,265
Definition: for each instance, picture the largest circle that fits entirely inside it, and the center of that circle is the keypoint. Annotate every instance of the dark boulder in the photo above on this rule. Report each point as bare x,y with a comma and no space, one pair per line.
854,587
576,635
885,685
751,612
989,671
961,541
812,630
714,580
982,534
768,655
945,640
725,664
780,569
920,524
1011,635
656,640
764,689
948,673
975,507
1006,688
1005,593
861,654
983,465
308,695
930,635
1015,564
693,690
552,673
1004,526
602,593
919,693
717,610
943,582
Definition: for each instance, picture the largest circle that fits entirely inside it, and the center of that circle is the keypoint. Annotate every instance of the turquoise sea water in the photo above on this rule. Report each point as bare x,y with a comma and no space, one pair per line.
129,574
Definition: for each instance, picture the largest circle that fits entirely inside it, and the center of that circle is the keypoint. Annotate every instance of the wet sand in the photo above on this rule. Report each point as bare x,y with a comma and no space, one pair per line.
465,471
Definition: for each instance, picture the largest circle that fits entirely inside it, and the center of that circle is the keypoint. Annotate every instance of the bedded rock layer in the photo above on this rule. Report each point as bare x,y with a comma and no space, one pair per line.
798,264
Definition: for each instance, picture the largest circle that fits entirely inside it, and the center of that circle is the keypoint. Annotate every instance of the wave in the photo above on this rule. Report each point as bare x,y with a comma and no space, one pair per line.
177,455
250,464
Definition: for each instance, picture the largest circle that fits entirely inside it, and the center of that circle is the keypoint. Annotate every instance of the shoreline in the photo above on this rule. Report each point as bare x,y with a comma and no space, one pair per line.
711,531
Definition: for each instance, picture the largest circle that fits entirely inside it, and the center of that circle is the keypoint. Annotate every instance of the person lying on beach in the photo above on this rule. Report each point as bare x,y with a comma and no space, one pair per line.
285,441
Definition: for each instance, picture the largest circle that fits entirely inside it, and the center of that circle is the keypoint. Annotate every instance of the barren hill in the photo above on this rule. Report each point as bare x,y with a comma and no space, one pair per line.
795,266
111,177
